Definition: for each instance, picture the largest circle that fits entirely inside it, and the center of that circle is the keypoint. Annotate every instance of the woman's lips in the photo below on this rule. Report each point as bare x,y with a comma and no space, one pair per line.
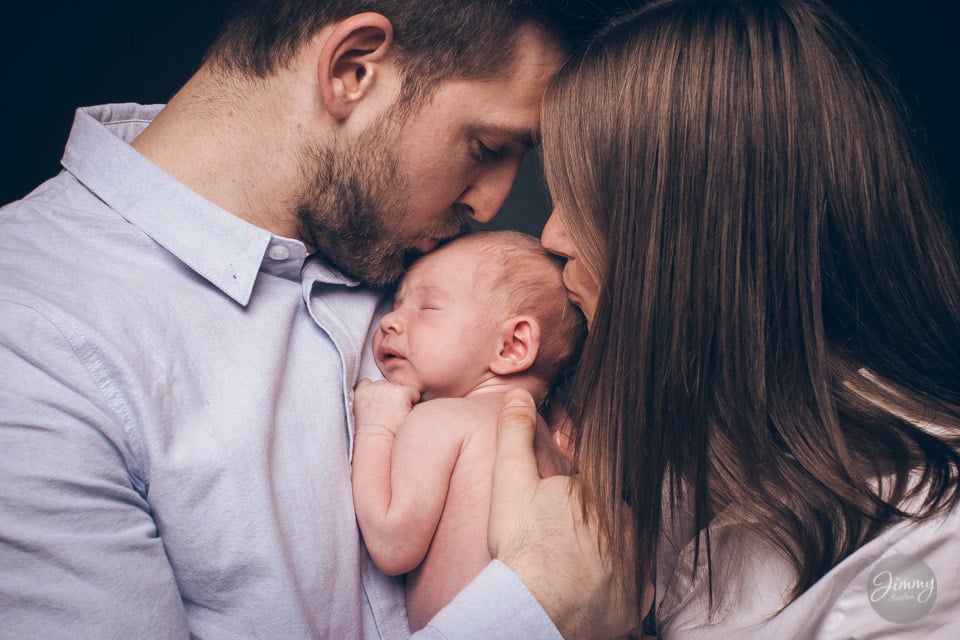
571,294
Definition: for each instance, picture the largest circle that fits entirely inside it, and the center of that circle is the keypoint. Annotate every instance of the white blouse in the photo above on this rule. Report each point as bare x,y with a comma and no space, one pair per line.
903,584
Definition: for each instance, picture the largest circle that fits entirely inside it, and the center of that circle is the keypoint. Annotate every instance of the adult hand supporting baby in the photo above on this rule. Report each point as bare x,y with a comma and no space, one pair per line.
537,529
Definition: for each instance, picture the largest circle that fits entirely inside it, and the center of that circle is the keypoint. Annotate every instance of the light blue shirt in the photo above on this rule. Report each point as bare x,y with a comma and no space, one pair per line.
175,421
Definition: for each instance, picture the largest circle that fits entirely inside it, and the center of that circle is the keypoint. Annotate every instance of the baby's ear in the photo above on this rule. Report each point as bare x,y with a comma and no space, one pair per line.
518,346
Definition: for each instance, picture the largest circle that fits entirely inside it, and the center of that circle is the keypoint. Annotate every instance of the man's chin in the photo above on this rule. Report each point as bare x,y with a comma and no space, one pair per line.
383,272
381,265
410,256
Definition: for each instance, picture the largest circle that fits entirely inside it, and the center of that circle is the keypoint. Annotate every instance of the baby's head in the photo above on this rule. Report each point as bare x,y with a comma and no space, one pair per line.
520,277
487,303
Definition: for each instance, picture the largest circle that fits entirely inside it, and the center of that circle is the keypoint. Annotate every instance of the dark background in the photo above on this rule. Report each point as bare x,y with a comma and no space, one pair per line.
55,56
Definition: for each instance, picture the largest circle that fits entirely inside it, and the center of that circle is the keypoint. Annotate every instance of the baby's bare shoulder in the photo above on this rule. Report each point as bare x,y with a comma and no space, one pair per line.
480,410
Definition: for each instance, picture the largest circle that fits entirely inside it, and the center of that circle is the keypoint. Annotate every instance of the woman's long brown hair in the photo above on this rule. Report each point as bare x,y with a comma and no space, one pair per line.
780,307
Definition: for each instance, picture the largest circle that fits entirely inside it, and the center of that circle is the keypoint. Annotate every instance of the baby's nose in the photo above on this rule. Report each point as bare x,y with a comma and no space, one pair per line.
391,323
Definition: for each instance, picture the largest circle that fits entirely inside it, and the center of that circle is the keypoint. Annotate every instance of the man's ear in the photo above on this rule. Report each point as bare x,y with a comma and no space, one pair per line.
350,61
518,347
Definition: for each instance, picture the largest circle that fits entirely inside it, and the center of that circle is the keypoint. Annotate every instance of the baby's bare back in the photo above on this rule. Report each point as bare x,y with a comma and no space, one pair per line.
458,551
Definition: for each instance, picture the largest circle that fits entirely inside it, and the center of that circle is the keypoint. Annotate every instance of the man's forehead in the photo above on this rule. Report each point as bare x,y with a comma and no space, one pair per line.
507,105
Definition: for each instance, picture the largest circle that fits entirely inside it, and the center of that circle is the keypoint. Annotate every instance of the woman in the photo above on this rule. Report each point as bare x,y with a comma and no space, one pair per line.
773,297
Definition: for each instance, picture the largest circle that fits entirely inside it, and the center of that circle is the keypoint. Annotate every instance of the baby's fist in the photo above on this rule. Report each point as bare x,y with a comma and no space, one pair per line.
382,404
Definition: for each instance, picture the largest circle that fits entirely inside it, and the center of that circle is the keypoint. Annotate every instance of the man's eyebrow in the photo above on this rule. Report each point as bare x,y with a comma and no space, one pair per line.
526,137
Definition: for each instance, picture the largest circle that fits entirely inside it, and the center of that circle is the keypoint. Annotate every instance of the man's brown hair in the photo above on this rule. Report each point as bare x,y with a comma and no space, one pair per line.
435,41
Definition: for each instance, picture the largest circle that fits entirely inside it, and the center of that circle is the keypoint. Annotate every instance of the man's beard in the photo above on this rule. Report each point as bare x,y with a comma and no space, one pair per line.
352,209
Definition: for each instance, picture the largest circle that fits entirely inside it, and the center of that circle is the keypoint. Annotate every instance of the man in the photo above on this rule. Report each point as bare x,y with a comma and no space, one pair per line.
175,423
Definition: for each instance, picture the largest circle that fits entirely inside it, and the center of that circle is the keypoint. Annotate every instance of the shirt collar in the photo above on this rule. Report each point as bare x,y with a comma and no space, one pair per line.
219,246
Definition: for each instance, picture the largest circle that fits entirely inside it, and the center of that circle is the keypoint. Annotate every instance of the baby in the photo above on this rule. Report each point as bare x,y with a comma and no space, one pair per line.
478,316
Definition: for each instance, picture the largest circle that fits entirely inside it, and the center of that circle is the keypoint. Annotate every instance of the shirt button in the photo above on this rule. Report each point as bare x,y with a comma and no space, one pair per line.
278,252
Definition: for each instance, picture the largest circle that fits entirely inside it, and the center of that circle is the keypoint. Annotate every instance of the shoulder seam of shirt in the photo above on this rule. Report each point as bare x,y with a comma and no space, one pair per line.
87,357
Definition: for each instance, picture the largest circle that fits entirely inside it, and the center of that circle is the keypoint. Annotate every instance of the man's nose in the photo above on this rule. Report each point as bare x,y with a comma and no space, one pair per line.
486,195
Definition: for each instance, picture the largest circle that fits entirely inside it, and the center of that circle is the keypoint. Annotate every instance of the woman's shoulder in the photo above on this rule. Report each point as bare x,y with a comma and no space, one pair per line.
751,582
905,582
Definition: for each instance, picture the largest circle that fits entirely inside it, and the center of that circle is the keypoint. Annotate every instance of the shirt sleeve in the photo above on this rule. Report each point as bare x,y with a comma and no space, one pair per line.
80,553
497,606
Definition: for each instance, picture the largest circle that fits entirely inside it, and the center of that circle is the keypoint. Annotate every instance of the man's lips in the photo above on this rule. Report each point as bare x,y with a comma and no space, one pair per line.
426,245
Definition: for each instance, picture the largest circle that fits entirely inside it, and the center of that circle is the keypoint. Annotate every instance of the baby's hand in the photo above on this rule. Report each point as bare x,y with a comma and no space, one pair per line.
382,404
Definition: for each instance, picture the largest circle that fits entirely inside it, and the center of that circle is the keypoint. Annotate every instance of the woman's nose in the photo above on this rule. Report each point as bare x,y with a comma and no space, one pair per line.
554,236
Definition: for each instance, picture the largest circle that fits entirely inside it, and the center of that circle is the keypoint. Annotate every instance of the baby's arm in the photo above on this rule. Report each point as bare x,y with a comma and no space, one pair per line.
403,457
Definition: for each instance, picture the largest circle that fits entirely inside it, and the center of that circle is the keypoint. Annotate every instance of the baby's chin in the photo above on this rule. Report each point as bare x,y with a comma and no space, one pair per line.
398,376
428,394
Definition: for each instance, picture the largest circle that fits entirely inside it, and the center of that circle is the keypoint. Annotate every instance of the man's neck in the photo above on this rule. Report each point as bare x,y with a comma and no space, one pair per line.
228,141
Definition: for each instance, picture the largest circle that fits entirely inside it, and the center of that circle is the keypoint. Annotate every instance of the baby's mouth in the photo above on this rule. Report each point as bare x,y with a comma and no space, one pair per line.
386,354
